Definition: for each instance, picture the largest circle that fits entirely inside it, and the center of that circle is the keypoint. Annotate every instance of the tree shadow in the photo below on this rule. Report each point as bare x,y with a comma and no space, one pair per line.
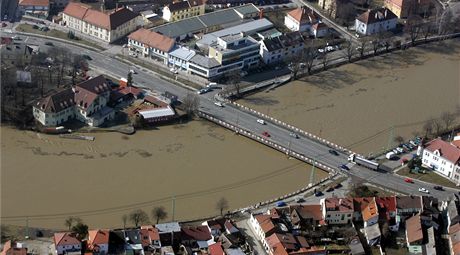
333,79
258,100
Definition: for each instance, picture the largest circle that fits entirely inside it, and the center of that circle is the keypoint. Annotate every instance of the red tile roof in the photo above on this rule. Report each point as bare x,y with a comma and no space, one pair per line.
34,2
319,26
216,249
376,15
57,102
65,238
152,39
303,15
199,233
153,232
109,21
10,248
339,204
446,150
414,229
287,244
98,237
370,211
266,223
309,211
386,206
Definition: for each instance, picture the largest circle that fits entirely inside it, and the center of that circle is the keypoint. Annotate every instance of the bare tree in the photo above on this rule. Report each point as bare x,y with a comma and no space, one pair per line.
294,65
447,119
413,27
138,217
399,139
129,80
234,80
428,128
309,55
427,29
363,42
159,213
190,103
124,219
70,221
349,49
445,21
437,126
325,60
221,205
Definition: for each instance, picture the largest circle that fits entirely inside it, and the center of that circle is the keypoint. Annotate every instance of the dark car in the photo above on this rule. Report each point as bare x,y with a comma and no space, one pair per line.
338,186
49,43
87,57
344,167
438,188
333,152
318,193
329,189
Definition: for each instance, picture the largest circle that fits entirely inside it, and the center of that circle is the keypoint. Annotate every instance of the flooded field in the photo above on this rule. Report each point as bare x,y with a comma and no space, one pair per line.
49,178
365,105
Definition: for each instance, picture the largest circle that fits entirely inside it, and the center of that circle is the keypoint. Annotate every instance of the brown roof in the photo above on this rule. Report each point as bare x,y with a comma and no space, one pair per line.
370,211
34,2
152,39
194,3
57,102
65,238
386,205
303,15
178,6
10,248
287,243
339,204
199,233
109,21
216,249
446,150
309,211
266,223
376,15
153,232
409,202
319,25
414,229
98,237
87,91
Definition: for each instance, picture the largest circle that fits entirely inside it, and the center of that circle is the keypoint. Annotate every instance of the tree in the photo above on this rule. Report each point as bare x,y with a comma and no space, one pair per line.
81,230
362,46
234,80
447,119
159,213
221,205
399,139
191,103
445,21
428,128
69,221
294,65
309,55
349,50
129,82
124,219
413,27
138,217
427,29
325,60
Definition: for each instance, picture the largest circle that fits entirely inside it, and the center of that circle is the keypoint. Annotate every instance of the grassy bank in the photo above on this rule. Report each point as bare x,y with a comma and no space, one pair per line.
56,34
429,176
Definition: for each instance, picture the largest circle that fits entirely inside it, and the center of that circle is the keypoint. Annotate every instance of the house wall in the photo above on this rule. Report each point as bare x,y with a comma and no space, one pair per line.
374,28
441,165
371,221
53,119
415,249
61,249
279,55
182,14
291,24
320,33
24,9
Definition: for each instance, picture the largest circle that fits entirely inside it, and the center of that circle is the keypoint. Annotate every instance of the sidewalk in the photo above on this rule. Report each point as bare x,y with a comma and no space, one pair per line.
245,226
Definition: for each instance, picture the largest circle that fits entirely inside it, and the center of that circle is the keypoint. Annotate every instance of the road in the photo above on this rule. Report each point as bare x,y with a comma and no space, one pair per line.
245,120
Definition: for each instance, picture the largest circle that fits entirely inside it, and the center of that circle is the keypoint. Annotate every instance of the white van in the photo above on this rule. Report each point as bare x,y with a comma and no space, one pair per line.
390,155
212,85
260,121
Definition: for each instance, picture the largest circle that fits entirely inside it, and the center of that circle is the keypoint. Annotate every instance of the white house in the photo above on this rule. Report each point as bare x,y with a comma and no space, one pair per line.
151,44
98,241
180,57
105,26
65,243
443,158
337,210
375,21
87,102
300,19
281,48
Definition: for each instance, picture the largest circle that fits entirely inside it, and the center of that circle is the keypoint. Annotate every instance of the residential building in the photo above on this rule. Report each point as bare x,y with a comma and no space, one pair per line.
37,8
107,27
300,19
263,225
196,237
285,244
454,239
66,243
16,54
405,8
168,232
215,227
155,115
281,48
443,158
151,44
337,210
208,22
414,234
180,10
376,21
86,102
319,30
407,206
387,211
356,247
58,4
98,241
133,241
180,57
13,248
370,213
372,234
306,216
150,237
216,249
341,9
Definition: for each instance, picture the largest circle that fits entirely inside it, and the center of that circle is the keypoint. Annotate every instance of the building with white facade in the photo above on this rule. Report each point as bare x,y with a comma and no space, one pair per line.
98,241
300,19
281,48
376,21
86,102
337,210
443,158
180,57
66,243
107,27
151,44
38,8
183,9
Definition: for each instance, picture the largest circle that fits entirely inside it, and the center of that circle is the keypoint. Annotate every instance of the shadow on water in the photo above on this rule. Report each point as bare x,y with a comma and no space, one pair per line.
333,79
258,100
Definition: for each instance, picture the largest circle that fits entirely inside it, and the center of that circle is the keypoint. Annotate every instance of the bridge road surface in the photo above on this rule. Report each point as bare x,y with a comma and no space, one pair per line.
307,147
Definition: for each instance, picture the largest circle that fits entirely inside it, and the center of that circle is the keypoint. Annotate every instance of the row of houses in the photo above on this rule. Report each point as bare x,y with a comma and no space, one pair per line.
297,226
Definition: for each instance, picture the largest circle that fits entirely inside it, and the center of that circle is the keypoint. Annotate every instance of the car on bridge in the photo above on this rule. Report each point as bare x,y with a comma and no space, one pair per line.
49,44
266,134
409,180
333,152
423,190
260,121
87,57
296,136
344,167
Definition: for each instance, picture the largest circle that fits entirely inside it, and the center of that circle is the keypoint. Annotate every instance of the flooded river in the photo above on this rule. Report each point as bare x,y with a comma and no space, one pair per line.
49,178
366,104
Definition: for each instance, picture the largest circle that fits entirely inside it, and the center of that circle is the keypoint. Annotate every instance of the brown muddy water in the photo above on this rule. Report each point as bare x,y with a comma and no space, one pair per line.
198,162
364,105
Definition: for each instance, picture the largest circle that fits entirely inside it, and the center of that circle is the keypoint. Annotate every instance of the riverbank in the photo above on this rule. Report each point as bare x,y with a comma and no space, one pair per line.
364,105
101,180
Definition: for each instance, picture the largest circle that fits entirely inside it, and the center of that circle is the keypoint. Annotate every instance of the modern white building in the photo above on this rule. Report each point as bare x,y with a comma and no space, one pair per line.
376,21
86,102
151,44
443,158
180,57
300,19
281,48
105,26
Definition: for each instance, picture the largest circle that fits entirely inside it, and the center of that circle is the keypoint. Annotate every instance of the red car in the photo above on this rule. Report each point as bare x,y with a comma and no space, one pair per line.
266,134
409,180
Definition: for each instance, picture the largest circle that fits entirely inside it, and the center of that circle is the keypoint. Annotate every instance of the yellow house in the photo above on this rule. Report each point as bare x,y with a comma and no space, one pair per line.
183,9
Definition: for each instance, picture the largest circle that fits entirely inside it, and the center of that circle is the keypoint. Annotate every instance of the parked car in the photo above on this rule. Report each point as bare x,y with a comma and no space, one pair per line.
395,151
338,186
219,104
423,190
174,71
441,188
296,136
203,91
266,134
281,203
330,189
344,167
4,24
89,58
260,121
49,43
299,200
318,193
409,180
132,71
125,46
333,152
400,150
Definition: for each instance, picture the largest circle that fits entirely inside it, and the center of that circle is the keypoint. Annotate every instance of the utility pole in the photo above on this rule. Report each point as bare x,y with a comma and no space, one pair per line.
173,207
390,137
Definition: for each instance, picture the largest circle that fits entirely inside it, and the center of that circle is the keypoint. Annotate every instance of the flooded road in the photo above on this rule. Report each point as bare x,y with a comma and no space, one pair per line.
364,105
49,178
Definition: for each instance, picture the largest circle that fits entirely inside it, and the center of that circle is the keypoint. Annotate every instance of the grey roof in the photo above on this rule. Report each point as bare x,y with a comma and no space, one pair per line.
168,227
283,41
270,33
247,9
204,61
372,232
249,28
183,53
219,17
182,27
356,247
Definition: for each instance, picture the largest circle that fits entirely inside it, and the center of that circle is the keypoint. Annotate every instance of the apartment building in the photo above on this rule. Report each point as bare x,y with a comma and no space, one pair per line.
183,9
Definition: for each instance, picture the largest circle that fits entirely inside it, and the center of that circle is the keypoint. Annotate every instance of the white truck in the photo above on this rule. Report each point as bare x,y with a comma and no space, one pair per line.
363,162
